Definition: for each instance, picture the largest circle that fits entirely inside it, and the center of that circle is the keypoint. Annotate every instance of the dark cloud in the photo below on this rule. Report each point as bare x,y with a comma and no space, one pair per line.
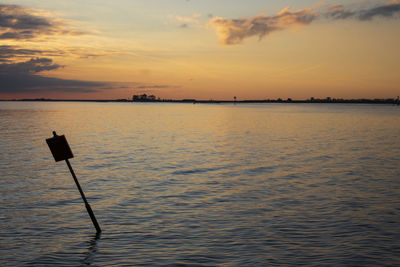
17,35
21,67
234,31
29,67
387,11
20,23
338,12
18,83
23,77
8,53
16,17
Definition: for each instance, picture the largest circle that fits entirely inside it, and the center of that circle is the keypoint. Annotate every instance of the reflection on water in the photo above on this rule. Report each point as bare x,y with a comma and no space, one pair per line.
183,184
89,255
79,254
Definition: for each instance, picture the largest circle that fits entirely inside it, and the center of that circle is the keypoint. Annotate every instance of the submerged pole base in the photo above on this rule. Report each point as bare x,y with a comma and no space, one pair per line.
94,221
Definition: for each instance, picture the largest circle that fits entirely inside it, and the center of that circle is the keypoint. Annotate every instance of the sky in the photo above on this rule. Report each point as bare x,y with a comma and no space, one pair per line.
202,49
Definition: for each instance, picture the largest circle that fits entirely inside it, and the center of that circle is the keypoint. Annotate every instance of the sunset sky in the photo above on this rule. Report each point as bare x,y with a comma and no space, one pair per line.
203,49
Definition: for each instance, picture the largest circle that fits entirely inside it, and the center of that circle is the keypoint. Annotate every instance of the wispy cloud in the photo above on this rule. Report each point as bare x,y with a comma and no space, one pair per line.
193,19
153,86
10,53
186,21
18,23
14,53
234,31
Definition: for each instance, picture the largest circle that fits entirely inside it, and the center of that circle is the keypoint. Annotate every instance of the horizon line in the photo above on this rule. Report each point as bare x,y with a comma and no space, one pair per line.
192,100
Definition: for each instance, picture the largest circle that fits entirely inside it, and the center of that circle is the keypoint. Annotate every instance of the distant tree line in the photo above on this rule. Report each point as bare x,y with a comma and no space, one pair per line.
328,100
144,98
153,98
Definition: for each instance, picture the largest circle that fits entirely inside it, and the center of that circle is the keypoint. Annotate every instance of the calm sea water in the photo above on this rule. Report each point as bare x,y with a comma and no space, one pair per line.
201,185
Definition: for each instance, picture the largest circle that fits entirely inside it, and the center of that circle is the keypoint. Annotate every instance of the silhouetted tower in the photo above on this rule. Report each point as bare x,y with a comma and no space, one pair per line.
234,99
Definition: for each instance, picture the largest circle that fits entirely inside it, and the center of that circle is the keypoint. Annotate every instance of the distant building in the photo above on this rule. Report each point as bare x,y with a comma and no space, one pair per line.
144,98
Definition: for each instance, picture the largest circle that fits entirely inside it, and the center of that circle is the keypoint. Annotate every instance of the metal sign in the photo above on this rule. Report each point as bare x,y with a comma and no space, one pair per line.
59,147
61,151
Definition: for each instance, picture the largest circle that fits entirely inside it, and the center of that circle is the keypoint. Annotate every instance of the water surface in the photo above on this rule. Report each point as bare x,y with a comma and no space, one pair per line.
201,185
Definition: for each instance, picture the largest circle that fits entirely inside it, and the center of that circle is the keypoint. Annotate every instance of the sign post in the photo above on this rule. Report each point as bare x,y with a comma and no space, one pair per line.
61,151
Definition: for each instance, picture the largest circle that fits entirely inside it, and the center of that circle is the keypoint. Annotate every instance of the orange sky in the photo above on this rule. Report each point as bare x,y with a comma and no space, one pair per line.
186,49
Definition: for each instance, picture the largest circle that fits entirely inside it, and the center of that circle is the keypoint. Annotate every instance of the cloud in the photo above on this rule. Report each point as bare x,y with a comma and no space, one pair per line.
18,23
21,67
155,86
337,12
193,19
32,66
234,31
9,53
186,21
387,10
23,77
12,53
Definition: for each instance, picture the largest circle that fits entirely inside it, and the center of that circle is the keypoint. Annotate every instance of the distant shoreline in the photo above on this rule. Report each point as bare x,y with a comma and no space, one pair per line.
391,101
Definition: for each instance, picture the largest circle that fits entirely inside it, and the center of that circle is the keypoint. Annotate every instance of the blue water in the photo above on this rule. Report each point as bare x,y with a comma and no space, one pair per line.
201,185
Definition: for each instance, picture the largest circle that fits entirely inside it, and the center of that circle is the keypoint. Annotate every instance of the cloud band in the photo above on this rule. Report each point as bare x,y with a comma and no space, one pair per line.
234,31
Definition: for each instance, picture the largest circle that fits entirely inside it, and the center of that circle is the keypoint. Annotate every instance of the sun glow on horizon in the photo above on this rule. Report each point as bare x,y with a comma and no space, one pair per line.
172,50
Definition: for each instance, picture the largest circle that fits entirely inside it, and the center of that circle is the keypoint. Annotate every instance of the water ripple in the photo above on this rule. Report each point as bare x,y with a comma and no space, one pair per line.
201,185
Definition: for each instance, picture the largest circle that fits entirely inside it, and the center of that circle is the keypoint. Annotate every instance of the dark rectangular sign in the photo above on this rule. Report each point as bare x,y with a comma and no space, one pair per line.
59,148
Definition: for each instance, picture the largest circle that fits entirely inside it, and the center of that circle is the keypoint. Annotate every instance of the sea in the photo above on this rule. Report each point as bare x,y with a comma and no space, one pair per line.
182,184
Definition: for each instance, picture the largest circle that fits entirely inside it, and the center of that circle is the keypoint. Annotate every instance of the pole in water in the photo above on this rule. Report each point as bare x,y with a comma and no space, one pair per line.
61,151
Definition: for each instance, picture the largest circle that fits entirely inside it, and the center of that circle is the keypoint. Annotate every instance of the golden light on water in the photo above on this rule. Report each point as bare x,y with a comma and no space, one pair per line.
223,183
